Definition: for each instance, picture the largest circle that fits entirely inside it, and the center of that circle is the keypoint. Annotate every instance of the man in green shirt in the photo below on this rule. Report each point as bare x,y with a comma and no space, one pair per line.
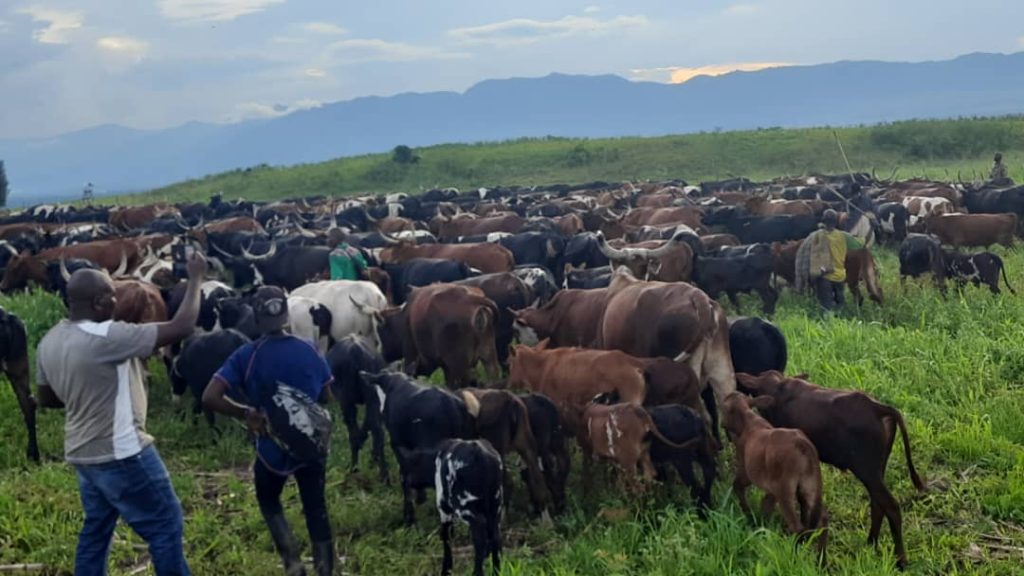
347,262
828,248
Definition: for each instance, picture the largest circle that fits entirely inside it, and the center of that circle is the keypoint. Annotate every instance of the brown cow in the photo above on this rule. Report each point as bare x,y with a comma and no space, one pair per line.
668,261
712,242
972,230
780,461
503,421
569,225
452,229
138,302
236,224
623,433
669,319
689,215
485,257
135,217
393,224
571,318
450,327
659,200
850,430
116,256
762,206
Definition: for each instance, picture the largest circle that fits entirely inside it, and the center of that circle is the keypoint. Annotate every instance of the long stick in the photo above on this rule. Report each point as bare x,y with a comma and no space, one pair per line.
845,159
21,567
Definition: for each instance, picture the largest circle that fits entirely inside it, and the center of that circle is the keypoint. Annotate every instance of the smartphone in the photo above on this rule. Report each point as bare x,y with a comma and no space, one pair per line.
180,255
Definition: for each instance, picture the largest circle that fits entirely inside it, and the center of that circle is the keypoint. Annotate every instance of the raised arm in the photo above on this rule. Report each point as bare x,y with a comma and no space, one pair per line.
184,322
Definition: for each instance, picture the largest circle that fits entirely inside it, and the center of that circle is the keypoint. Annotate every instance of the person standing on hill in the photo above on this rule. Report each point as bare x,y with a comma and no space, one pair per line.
347,262
90,366
999,174
274,384
827,249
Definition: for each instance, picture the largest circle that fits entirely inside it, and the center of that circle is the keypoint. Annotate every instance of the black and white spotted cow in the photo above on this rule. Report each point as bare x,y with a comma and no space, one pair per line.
893,220
979,268
468,480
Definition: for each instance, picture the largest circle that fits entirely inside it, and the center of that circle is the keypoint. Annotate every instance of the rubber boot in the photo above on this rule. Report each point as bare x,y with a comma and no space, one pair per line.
323,558
284,541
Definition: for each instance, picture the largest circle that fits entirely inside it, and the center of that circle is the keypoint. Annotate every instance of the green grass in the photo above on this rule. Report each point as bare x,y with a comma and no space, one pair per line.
954,367
936,149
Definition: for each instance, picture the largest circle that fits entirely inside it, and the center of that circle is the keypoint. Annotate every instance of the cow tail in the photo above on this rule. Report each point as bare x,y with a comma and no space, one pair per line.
483,318
888,411
646,416
1003,270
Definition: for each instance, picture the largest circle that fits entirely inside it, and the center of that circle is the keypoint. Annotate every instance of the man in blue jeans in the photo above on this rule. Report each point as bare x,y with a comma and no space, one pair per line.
91,366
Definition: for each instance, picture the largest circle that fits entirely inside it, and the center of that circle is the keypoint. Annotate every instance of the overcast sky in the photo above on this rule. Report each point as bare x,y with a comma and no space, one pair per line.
71,64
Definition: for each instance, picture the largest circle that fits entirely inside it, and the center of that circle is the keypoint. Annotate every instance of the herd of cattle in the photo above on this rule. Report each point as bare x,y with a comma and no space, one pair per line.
592,309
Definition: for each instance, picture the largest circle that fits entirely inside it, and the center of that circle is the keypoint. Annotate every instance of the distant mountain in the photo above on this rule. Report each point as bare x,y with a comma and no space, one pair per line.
115,158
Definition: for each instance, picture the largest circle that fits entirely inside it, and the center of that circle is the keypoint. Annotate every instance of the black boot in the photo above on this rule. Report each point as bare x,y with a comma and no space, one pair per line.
323,558
284,541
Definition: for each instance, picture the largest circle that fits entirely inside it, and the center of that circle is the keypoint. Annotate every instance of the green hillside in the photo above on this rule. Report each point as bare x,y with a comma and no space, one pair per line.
933,148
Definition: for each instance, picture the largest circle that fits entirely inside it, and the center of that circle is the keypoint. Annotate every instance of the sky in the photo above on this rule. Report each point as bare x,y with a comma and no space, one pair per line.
72,64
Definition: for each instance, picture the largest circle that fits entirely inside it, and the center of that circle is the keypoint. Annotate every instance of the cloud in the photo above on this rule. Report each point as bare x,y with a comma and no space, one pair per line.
592,9
526,31
1020,41
60,23
212,10
324,28
261,110
679,74
123,44
742,9
314,73
360,50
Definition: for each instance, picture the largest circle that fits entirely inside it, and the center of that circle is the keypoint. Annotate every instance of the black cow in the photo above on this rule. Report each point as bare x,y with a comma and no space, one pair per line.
423,272
920,253
347,358
780,228
237,312
756,346
583,250
681,424
995,201
979,268
547,429
468,485
14,364
287,266
893,220
730,185
200,358
55,281
537,248
418,418
588,278
748,273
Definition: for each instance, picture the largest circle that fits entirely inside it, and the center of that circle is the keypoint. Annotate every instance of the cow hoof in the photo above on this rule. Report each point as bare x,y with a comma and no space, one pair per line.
33,455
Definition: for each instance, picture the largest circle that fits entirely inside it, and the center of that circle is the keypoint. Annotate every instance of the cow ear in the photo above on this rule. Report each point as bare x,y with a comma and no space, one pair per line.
543,344
762,402
802,376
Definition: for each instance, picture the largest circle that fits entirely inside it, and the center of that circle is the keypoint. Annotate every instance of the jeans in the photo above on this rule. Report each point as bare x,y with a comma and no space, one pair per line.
139,490
830,294
311,480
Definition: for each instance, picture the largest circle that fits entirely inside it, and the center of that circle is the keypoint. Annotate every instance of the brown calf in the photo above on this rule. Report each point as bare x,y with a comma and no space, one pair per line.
851,431
971,230
780,461
571,318
712,242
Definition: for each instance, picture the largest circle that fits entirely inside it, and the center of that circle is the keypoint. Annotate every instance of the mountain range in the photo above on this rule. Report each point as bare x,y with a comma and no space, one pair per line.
120,159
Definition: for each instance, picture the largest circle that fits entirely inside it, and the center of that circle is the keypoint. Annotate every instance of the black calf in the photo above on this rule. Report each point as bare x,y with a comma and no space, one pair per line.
468,483
681,424
978,269
200,358
347,359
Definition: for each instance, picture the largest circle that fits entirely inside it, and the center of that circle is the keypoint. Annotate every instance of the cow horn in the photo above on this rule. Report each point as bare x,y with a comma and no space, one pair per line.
388,238
251,256
364,308
219,249
369,218
608,251
64,270
122,267
664,248
873,175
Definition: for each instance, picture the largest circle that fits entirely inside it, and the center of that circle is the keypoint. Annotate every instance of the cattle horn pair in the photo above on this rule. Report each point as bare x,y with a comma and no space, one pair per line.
122,267
645,253
251,256
389,239
219,249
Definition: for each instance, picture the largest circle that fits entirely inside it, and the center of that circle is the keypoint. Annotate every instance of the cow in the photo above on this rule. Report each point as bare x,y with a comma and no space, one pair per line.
920,253
571,318
468,485
354,305
762,206
850,431
508,293
135,217
893,220
423,272
504,421
682,425
587,278
539,281
669,261
623,432
972,230
755,229
450,327
669,319
689,215
860,264
418,418
583,251
115,256
138,302
14,363
781,461
989,200
756,346
546,426
289,266
200,358
920,206
750,272
348,358
712,242
980,268
536,248
485,257
310,320
453,228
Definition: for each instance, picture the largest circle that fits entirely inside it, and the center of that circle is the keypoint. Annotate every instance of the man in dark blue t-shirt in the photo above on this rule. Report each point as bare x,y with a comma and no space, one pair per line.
239,389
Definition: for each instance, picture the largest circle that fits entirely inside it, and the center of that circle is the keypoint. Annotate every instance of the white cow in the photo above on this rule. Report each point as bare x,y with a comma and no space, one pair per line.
354,305
310,320
920,206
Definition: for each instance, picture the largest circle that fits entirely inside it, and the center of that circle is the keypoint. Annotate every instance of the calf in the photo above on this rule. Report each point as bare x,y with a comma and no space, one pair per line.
780,461
571,318
504,421
347,358
980,268
550,436
200,358
467,479
15,365
418,418
860,264
756,345
920,253
623,432
750,272
850,430
681,425
587,278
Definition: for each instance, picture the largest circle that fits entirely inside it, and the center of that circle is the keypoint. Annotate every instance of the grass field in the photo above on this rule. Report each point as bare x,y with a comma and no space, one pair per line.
954,367
935,148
